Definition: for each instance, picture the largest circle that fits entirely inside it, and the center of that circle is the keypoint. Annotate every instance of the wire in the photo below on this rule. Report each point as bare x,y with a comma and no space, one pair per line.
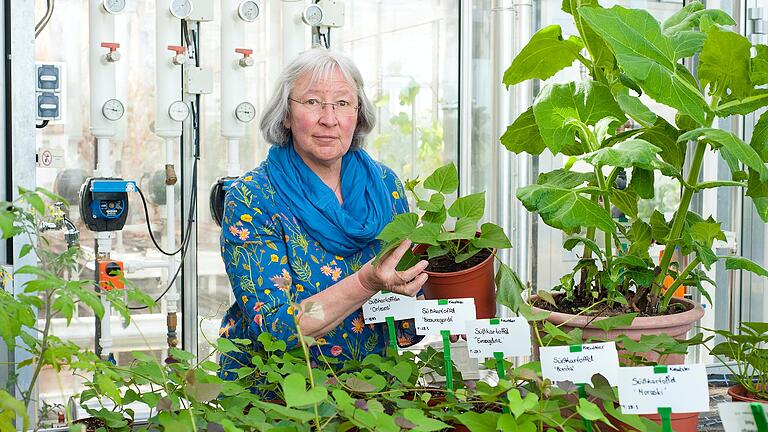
149,227
42,125
45,19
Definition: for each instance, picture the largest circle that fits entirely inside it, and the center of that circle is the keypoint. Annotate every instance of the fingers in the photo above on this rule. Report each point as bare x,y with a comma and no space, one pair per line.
412,272
393,257
455,338
411,288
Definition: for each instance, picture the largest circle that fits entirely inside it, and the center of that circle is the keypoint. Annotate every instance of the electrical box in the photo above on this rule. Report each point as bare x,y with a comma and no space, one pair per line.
202,10
111,275
198,80
49,91
333,13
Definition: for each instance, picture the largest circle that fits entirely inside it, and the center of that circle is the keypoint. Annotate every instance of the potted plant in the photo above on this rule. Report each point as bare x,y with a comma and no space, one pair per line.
749,364
460,251
627,52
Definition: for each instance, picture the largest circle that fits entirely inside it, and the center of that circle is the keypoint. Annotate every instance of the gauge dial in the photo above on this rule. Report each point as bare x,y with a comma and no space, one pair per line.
245,112
181,9
114,6
248,10
113,110
178,111
313,15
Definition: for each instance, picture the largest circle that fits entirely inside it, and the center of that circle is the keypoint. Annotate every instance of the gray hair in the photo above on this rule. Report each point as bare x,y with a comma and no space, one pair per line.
320,63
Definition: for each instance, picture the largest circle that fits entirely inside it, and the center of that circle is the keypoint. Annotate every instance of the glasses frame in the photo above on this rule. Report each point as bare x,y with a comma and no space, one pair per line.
333,105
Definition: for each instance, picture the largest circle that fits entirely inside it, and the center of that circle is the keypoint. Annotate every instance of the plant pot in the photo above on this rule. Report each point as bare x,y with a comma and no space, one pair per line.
681,422
675,325
739,394
477,282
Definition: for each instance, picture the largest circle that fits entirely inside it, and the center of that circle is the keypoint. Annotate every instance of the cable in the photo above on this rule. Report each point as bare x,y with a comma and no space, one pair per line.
149,227
42,125
45,19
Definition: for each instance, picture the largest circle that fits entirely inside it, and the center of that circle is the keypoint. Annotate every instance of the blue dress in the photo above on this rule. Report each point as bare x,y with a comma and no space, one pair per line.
270,258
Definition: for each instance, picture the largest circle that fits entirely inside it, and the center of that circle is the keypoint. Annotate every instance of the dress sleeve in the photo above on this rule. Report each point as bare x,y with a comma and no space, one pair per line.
256,260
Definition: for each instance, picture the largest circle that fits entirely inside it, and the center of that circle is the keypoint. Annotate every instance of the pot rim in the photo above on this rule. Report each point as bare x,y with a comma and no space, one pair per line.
586,321
460,272
740,392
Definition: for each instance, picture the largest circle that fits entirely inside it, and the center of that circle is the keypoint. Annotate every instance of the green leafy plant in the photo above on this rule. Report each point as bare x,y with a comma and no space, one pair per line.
49,293
750,357
629,53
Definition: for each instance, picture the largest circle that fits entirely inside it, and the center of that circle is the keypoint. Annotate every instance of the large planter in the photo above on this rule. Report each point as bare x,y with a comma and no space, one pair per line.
739,394
476,282
681,422
675,325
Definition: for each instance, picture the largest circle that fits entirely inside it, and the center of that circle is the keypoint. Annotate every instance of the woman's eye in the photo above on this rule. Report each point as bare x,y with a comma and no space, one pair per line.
342,103
312,102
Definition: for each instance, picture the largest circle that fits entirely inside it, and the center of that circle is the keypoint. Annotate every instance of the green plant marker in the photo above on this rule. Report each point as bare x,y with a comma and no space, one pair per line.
583,395
575,348
666,419
758,413
500,370
392,333
447,356
660,369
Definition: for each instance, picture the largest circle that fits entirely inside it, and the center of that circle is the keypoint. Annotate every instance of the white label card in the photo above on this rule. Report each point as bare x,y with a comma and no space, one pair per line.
433,317
380,306
563,363
683,388
738,417
510,336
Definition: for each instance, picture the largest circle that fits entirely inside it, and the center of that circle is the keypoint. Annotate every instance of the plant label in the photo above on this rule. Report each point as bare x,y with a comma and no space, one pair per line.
577,363
433,316
645,389
738,416
511,336
380,306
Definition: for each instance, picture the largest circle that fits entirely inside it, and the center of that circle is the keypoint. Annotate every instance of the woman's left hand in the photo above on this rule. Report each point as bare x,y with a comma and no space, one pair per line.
385,275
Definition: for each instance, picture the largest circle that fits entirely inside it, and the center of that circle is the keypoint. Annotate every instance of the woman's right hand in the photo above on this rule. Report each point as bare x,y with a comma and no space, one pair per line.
384,276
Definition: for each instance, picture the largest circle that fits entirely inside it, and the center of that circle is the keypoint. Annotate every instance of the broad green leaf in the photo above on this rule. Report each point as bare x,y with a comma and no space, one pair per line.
408,260
435,203
706,232
225,345
732,144
203,391
664,136
469,253
630,153
565,179
422,421
759,65
610,323
589,411
571,243
641,236
626,201
401,371
401,227
564,209
759,140
10,408
509,288
491,237
741,263
436,251
642,183
732,105
758,191
444,180
692,16
36,202
523,135
683,14
659,227
465,229
470,206
479,422
297,394
599,52
635,108
560,109
426,234
724,63
545,54
760,328
439,217
27,248
519,405
649,57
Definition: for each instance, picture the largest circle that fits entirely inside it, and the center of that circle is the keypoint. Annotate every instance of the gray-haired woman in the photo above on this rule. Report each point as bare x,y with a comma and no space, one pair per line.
301,228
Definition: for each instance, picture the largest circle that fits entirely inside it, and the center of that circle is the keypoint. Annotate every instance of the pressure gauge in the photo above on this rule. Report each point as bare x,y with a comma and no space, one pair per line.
178,111
245,112
114,6
113,110
248,10
313,15
181,8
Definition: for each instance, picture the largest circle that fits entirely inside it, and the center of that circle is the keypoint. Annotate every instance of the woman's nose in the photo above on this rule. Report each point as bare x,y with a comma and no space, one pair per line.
328,116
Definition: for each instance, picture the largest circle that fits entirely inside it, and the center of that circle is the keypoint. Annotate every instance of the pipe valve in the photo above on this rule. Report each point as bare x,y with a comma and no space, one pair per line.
247,60
181,57
113,55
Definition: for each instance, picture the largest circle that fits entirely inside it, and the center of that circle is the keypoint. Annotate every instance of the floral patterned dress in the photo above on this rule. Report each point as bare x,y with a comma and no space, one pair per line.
270,259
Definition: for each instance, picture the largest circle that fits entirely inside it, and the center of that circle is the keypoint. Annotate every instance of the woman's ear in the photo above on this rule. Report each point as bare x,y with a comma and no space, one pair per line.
287,122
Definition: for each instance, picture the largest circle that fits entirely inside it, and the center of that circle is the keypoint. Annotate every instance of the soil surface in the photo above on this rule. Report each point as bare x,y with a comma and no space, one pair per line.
446,263
577,305
91,423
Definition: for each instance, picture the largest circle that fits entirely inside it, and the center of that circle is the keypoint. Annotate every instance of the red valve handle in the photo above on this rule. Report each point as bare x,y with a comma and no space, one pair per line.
177,49
244,51
113,46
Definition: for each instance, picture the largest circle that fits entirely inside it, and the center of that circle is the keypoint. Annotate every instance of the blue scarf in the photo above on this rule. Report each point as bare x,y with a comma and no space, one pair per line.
340,229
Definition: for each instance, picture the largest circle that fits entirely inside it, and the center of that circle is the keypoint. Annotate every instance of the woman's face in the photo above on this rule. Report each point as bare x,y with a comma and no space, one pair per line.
322,138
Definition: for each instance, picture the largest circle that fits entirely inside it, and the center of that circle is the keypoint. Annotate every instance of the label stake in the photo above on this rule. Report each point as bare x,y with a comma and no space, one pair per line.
447,356
666,419
758,413
392,333
502,374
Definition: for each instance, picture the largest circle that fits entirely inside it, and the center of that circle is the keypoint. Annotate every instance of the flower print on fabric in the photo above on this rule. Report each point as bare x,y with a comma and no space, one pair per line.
270,259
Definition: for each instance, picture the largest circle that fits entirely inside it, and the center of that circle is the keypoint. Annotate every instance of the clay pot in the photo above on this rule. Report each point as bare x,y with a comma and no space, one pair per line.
681,422
739,394
675,325
477,282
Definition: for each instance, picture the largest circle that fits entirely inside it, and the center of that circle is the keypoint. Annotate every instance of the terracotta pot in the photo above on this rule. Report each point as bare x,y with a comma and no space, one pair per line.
739,394
681,422
477,282
675,325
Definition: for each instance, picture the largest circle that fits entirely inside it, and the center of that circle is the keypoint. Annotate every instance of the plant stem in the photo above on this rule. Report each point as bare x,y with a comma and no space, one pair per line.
43,347
682,213
309,367
671,290
607,205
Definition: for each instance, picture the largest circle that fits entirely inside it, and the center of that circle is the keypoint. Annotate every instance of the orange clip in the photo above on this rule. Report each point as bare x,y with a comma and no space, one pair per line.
111,275
177,49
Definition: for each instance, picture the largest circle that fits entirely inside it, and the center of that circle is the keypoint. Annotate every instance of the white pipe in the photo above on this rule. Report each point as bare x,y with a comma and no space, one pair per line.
167,74
232,74
170,231
104,163
141,264
523,95
295,32
101,72
233,157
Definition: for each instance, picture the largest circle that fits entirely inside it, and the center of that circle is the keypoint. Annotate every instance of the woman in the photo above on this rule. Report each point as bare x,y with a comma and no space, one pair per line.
303,225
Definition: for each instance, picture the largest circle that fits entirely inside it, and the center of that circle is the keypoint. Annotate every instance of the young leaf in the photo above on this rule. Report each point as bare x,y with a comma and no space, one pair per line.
436,251
610,323
470,206
732,144
444,179
649,57
479,422
759,72
426,234
691,16
589,411
407,261
741,263
545,54
631,153
465,230
573,241
400,228
626,201
491,236
435,203
635,108
297,394
565,179
564,209
523,135
472,251
724,63
547,297
509,288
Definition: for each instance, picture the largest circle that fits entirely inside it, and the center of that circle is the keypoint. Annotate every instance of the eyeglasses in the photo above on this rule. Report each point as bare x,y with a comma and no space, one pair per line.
341,108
